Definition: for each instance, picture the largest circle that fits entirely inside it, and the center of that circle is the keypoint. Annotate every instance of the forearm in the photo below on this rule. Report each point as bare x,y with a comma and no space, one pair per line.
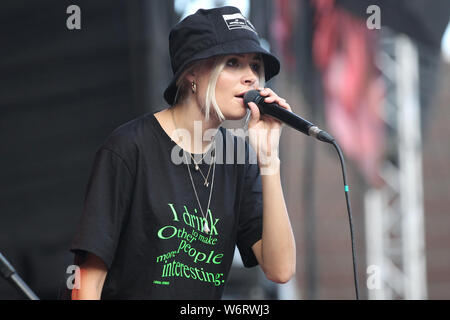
89,284
278,243
86,294
87,291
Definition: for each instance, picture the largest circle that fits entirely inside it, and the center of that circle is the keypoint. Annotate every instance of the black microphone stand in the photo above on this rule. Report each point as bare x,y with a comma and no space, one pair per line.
9,273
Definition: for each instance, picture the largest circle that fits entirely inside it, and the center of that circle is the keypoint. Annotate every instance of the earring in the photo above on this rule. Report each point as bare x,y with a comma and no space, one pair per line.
194,87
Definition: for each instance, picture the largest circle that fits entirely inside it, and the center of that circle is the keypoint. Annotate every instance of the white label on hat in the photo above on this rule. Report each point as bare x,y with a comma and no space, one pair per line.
238,21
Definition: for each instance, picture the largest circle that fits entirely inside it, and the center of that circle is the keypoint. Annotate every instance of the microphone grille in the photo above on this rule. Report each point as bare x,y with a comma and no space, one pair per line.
251,96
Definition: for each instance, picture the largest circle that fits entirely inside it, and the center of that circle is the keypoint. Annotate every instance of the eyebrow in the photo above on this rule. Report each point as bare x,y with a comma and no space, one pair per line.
255,57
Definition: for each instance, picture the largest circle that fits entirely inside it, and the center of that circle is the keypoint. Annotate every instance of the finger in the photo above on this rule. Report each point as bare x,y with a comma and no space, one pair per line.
269,92
255,114
276,99
282,103
265,92
287,107
271,97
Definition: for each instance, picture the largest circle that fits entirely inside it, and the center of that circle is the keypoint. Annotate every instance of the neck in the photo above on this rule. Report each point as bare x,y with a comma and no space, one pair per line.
194,132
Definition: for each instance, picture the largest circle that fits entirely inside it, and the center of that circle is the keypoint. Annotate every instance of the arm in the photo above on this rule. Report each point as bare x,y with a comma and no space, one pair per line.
92,277
275,252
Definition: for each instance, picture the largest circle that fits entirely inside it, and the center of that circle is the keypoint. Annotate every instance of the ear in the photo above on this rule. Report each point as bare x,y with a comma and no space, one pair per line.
199,69
191,76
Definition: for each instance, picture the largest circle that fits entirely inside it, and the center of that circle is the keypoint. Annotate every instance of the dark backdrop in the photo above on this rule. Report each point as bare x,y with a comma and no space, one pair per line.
61,93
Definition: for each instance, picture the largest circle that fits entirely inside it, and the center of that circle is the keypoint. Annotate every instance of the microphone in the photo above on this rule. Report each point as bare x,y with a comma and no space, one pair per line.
285,116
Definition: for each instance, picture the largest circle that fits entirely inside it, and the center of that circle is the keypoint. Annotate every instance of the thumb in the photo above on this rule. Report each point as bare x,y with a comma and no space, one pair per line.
255,113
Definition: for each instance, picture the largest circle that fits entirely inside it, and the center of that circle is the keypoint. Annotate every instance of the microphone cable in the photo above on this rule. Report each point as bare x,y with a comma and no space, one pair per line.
306,127
350,219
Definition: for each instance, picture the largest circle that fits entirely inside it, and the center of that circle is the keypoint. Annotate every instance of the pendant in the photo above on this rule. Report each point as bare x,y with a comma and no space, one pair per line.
205,227
206,184
196,167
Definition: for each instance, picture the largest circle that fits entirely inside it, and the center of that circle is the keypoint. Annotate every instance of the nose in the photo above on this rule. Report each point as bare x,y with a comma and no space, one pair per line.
250,78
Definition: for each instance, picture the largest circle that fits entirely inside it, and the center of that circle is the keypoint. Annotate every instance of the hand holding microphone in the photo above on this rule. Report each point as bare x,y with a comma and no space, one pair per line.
288,117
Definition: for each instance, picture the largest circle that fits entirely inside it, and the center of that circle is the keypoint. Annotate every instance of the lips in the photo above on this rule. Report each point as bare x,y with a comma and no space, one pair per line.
240,95
240,100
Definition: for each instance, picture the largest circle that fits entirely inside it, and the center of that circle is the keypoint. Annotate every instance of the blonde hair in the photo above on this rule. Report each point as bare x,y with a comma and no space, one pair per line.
210,100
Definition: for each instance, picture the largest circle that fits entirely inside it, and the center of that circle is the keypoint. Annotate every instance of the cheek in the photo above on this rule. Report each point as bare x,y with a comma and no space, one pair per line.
225,86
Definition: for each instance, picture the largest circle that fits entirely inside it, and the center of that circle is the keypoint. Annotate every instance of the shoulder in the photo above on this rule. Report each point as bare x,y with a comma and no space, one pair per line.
125,141
126,138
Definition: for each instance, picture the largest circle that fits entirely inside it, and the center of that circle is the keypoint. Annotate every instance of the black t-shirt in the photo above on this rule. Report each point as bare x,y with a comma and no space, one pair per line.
142,218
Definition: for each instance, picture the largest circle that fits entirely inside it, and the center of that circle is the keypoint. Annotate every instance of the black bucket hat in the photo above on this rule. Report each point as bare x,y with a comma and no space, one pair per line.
210,33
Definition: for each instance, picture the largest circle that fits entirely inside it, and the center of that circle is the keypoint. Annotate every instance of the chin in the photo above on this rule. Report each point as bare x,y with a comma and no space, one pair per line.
237,115
234,111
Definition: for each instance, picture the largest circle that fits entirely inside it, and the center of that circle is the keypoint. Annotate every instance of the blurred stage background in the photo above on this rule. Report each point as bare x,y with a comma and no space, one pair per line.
383,93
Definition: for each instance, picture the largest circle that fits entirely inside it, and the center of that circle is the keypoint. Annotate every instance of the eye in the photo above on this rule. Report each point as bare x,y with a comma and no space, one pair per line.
256,67
233,62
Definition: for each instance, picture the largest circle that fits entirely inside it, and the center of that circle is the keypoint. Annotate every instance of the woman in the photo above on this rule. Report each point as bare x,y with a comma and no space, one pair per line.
166,205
